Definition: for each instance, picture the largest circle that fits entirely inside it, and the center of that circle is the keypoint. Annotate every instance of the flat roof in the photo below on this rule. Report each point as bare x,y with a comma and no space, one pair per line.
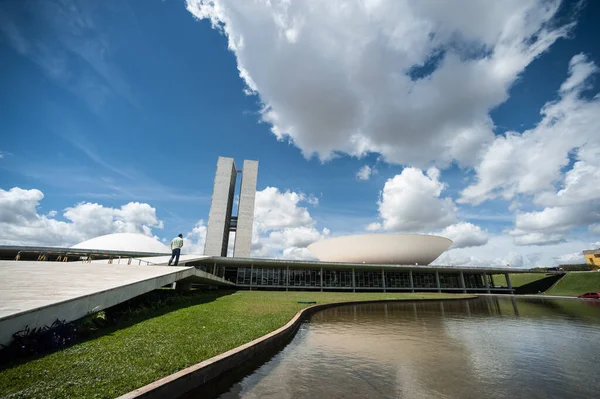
161,258
342,265
13,250
592,252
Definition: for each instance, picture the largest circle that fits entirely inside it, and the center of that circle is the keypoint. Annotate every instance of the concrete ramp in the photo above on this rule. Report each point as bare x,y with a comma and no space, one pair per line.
35,294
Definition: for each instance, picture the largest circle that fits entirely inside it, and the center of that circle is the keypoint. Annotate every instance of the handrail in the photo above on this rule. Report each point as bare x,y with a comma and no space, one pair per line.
131,259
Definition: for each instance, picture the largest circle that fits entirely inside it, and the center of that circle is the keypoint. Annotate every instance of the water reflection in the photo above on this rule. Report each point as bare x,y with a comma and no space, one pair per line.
490,347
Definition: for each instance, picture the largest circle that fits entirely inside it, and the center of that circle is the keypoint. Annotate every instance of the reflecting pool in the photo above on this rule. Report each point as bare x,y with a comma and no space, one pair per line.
494,347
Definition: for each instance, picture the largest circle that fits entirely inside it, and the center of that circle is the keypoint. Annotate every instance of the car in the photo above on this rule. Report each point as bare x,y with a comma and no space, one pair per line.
590,295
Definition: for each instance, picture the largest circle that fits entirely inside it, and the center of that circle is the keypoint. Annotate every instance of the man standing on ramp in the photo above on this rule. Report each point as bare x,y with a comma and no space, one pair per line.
176,245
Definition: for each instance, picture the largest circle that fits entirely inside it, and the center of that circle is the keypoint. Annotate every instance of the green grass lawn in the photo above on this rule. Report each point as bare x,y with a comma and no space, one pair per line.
164,341
576,283
518,279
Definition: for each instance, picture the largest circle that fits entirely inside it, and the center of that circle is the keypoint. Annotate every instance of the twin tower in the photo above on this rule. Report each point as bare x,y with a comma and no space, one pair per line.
221,220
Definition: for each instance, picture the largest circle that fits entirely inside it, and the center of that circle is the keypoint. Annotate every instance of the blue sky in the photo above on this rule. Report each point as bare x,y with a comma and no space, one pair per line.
109,103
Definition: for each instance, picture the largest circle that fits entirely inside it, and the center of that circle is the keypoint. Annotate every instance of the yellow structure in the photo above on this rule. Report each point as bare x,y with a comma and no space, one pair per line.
592,257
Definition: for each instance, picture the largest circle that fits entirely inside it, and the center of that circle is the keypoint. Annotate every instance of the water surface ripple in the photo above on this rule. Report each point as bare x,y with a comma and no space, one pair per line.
484,348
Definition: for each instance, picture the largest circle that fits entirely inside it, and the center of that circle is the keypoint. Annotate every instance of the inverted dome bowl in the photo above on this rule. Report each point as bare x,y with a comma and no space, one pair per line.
398,249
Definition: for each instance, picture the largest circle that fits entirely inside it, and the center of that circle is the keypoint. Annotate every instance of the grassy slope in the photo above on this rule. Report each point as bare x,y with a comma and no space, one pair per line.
518,279
142,352
576,283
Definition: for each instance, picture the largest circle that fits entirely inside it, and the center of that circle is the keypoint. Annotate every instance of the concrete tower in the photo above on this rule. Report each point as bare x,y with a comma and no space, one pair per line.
245,217
220,219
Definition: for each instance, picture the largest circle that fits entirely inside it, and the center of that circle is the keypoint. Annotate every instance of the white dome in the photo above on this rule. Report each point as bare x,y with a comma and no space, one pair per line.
132,242
400,249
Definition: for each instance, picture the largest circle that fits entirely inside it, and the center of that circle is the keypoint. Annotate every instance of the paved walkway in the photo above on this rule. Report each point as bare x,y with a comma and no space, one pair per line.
35,294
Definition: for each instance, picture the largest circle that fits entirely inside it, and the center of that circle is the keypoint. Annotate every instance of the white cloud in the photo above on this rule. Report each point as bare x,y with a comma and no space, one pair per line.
530,163
501,250
465,235
276,210
578,184
415,82
282,227
299,237
364,173
412,202
572,258
195,239
312,200
21,224
375,226
536,238
411,80
552,224
297,253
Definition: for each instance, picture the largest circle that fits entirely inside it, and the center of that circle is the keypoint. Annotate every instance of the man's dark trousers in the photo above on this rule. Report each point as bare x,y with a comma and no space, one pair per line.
175,254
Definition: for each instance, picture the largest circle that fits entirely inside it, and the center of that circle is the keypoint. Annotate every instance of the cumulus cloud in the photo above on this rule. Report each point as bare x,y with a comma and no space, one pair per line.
282,227
364,173
297,253
572,258
530,163
552,224
21,224
411,80
312,200
465,235
277,210
195,239
415,82
501,250
412,202
375,226
536,238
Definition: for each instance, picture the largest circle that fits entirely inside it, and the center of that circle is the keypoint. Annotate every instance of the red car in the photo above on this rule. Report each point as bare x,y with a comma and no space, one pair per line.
591,295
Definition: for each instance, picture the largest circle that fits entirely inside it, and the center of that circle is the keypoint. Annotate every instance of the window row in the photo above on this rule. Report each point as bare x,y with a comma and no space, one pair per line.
343,278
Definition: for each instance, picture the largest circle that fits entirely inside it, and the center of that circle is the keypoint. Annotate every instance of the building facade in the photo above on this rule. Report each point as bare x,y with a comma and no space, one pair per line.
277,274
221,220
592,257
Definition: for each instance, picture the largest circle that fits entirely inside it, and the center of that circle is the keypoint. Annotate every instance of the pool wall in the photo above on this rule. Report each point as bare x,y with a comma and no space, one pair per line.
194,377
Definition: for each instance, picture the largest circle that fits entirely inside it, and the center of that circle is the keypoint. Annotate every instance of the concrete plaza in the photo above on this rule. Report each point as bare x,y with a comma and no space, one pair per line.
35,294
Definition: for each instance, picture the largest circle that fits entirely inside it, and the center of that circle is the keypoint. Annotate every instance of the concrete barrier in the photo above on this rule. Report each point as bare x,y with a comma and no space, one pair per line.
196,376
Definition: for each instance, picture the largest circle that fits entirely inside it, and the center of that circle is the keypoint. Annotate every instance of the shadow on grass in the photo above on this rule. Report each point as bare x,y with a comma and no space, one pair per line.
155,303
538,286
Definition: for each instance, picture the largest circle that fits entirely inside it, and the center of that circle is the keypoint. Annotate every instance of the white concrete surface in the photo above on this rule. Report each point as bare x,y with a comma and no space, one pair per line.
152,260
221,204
35,294
399,249
243,233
